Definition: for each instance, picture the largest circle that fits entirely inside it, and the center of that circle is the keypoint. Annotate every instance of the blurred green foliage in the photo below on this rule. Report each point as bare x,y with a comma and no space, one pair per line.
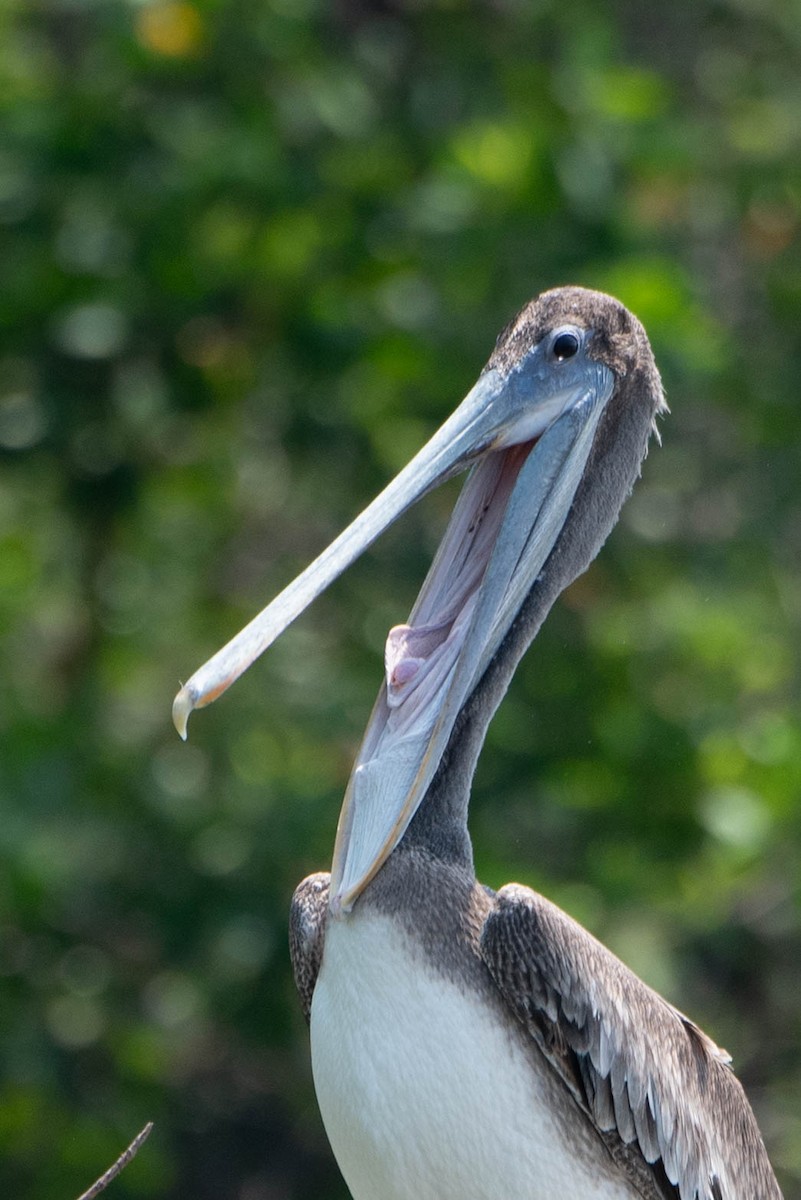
253,251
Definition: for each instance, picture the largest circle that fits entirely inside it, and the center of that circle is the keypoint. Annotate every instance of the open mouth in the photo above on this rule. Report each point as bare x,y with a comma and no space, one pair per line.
420,655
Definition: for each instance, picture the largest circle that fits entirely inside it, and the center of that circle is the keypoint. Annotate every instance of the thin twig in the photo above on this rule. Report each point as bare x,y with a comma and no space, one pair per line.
102,1183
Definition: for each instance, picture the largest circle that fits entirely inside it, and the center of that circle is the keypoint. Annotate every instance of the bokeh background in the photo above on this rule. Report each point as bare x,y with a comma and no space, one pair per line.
251,253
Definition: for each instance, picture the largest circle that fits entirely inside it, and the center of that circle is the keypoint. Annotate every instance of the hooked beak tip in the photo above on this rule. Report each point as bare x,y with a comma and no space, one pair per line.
182,706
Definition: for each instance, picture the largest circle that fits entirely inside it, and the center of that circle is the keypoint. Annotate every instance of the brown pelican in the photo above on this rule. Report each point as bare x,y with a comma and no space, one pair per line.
467,1044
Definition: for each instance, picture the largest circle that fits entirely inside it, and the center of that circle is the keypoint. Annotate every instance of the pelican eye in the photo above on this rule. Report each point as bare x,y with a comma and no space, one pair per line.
565,346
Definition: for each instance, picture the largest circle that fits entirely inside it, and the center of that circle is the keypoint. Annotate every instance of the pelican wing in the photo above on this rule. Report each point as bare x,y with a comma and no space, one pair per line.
660,1092
308,917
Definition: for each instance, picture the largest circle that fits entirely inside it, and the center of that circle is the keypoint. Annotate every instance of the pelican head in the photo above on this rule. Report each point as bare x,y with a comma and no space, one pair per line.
554,432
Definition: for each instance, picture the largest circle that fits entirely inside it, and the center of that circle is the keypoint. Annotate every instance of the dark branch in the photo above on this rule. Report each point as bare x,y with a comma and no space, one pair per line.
102,1183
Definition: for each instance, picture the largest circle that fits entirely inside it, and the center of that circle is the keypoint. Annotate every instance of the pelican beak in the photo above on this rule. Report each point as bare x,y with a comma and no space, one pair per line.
527,431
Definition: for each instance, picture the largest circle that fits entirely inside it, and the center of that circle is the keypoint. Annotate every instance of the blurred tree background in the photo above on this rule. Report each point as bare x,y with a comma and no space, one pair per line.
253,252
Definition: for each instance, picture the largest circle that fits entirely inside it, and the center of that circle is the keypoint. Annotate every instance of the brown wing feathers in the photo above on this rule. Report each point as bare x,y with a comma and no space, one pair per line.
644,1073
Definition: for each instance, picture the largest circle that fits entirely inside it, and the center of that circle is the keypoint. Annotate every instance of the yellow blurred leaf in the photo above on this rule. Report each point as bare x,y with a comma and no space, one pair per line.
173,29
